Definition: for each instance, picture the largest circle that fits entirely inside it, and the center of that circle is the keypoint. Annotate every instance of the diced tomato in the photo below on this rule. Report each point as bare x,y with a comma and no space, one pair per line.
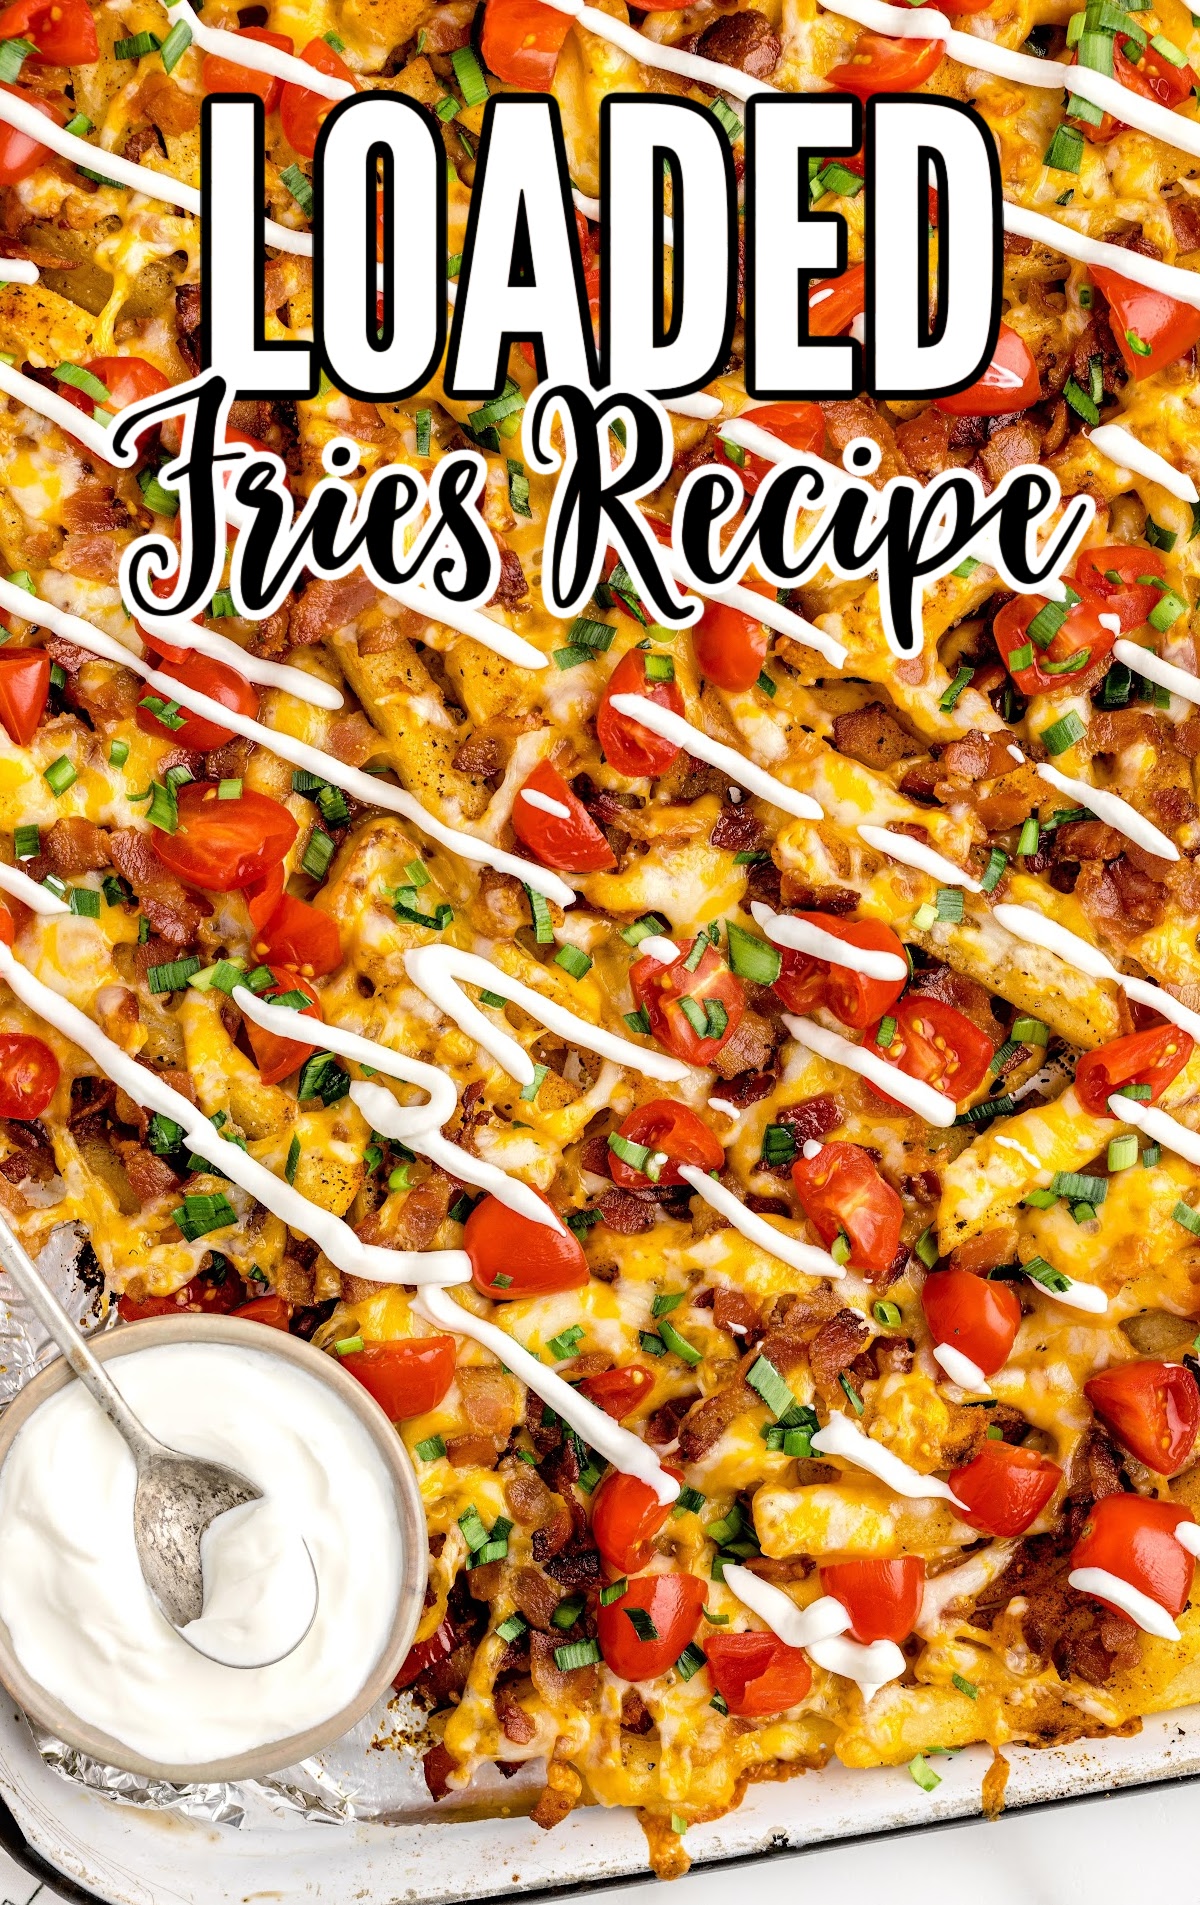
664,1125
618,1391
19,153
7,927
275,1312
757,1674
834,303
679,1003
1004,1489
126,379
800,425
1152,1408
1078,641
62,32
276,1057
730,648
843,1194
882,1598
521,42
626,1516
672,1603
1134,1538
1151,329
1153,1057
936,1043
301,113
1153,76
408,1376
511,1256
628,746
1110,578
225,844
226,76
570,841
264,897
28,1075
973,1315
853,997
207,677
425,1654
881,65
302,936
220,1296
1009,383
24,687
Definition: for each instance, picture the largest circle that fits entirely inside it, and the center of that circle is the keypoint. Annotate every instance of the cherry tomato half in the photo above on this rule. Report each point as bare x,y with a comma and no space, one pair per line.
757,1674
1078,641
1152,1408
730,648
301,113
853,997
1135,1539
1109,578
212,1295
7,926
626,1516
843,1193
521,42
225,844
628,746
302,936
1004,1489
277,1057
1153,1057
19,153
511,1256
800,425
1151,329
664,1125
569,841
207,677
882,1598
226,76
683,1005
24,687
274,1311
972,1315
1009,383
28,1075
407,1377
672,1603
125,379
63,32
834,303
880,65
936,1043
618,1391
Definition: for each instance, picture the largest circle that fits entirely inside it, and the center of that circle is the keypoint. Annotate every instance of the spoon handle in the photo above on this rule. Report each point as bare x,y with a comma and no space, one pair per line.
20,1267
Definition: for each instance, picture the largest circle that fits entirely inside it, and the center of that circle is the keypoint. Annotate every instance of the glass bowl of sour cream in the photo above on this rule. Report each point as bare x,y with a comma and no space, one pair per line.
83,1647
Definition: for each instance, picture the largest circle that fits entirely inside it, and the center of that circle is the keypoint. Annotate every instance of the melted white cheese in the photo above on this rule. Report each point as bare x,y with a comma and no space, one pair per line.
801,1256
1148,1614
783,929
915,853
842,1439
933,1106
960,1368
1145,662
1111,808
673,727
1116,443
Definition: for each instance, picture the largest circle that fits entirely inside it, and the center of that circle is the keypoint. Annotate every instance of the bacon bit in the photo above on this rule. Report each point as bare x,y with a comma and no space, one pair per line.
327,606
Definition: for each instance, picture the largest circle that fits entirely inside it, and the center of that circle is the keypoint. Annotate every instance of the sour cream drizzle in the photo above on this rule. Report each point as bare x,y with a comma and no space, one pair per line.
1145,662
933,1106
1110,807
1120,447
258,56
761,608
437,971
1025,922
268,674
844,1441
39,899
673,727
1159,1126
335,1238
18,271
372,791
1080,1296
624,1450
960,1368
914,853
669,59
822,1619
801,936
1149,1614
790,1250
545,803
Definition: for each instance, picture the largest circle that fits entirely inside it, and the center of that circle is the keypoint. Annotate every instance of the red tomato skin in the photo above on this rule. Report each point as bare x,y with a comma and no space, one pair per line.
301,936
800,425
224,845
28,1075
1166,325
659,987
1081,629
1134,1539
664,1125
882,65
841,1190
126,379
618,1391
1153,1057
730,648
673,1602
1128,599
63,32
1004,1489
19,154
203,1294
1009,383
24,688
302,113
207,677
935,1043
626,1516
573,845
540,1261
425,1654
7,928
834,303
273,1311
521,42
1152,1408
408,1376
757,1674
277,1057
972,1315
851,996
628,746
264,897
882,1598
226,76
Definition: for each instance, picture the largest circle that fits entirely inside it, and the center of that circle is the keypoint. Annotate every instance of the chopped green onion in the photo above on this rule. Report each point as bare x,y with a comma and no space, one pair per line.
27,843
172,976
1040,1200
965,1686
518,487
1078,398
851,1393
60,775
924,917
690,1661
137,46
1066,732
543,925
753,958
1122,1152
886,1033
641,1623
1030,1032
1189,1218
176,45
1076,1184
1065,151
163,811
530,1091
728,118
638,1021
293,1161
772,1387
1039,1271
318,854
159,500
199,1214
778,1145
85,900
923,1773
1158,537
887,1315
563,1345
74,374
950,904
424,426
682,1348
469,75
299,185
1151,1156
949,699
574,960
926,1248
1167,610
997,861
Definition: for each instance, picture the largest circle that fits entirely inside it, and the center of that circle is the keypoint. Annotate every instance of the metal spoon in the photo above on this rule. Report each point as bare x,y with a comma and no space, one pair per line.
178,1496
